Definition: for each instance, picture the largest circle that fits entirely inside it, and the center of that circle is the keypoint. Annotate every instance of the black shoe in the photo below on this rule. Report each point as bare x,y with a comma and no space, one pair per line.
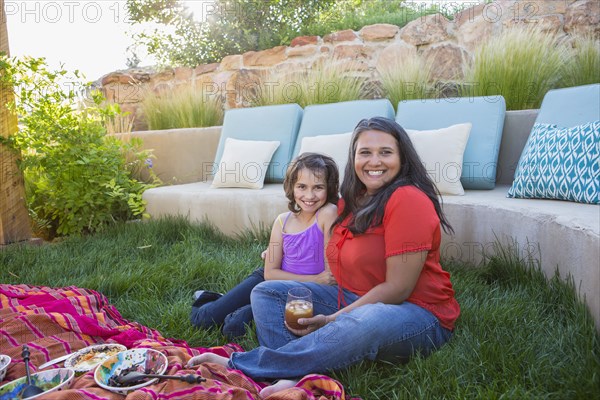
202,297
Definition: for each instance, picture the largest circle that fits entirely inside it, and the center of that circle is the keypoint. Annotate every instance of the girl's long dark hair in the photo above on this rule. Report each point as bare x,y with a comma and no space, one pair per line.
412,172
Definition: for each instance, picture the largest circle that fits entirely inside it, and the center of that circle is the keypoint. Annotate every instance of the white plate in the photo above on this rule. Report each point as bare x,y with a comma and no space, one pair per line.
4,363
142,360
89,357
49,381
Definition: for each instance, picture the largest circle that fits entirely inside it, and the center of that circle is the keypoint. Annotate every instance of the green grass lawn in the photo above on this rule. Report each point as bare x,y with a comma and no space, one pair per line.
519,336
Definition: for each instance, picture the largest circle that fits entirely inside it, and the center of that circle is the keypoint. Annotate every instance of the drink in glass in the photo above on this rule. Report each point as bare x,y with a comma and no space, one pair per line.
299,305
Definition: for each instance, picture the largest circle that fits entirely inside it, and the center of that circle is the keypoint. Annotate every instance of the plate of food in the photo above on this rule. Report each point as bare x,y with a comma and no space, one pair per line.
89,357
145,361
49,381
4,363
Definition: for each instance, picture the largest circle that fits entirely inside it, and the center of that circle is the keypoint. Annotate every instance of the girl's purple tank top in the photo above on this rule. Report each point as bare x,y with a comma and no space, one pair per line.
303,251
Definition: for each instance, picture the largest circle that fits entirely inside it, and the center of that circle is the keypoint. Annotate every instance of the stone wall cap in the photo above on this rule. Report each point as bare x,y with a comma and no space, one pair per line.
206,68
304,40
425,30
125,77
469,15
265,58
379,32
347,35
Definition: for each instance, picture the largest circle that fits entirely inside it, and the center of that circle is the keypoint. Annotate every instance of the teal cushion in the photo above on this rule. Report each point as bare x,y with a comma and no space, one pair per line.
560,164
486,114
342,117
267,123
570,106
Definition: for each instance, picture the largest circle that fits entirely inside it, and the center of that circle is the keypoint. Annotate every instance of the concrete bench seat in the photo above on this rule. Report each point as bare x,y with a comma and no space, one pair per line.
232,211
557,234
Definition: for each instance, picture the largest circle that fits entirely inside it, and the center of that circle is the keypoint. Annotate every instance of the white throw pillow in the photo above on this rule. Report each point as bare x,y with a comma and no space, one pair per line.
441,151
334,146
244,163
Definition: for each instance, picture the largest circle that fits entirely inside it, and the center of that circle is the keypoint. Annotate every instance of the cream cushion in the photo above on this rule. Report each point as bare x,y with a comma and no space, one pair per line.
441,151
334,146
244,163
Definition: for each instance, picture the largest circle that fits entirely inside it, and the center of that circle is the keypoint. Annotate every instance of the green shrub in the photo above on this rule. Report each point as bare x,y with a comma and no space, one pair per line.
583,63
77,179
184,107
355,14
406,79
519,64
326,82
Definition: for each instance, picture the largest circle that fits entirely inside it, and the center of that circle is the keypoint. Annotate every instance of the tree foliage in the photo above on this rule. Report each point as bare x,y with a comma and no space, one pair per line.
227,27
175,38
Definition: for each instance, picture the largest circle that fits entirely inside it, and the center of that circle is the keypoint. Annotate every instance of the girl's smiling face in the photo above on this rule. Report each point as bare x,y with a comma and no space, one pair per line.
310,190
376,159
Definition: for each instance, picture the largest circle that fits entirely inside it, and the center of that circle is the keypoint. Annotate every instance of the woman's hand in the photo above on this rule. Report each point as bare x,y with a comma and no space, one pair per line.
312,324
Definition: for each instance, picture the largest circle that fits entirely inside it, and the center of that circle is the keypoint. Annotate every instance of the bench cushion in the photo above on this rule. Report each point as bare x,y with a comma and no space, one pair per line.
442,152
486,114
571,106
244,163
335,118
560,159
269,123
560,163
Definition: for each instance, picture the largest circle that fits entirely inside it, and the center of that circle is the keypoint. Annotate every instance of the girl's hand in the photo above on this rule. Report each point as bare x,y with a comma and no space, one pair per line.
263,255
325,278
312,324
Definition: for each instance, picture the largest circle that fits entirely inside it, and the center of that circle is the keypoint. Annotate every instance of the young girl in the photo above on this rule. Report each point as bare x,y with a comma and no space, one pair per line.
296,247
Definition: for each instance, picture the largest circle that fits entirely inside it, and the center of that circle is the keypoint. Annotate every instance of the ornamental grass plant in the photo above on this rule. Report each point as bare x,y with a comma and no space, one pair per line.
120,123
519,335
583,63
325,82
521,64
183,107
406,79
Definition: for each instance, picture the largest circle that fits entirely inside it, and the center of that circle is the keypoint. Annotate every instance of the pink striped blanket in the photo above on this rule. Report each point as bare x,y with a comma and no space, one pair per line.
59,321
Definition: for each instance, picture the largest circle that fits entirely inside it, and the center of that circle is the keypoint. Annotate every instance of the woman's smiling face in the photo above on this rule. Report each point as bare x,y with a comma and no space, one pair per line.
376,159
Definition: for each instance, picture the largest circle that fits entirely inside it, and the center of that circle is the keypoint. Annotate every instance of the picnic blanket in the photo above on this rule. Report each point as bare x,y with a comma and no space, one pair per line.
58,321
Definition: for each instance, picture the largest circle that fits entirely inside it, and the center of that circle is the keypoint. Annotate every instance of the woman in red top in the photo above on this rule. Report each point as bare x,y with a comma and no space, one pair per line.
392,297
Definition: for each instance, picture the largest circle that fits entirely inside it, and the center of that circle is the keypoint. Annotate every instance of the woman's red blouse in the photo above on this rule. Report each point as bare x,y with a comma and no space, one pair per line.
410,224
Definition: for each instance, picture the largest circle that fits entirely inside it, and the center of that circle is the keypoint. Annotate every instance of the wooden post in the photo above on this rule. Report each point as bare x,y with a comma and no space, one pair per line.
14,221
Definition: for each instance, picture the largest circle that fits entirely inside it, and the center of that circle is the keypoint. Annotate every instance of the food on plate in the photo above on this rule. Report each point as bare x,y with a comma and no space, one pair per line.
89,357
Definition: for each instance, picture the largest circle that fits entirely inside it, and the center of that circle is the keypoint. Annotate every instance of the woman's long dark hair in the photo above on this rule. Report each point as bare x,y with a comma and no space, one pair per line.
412,172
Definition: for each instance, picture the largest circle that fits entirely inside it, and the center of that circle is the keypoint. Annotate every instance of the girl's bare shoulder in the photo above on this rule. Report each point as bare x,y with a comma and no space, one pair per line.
281,217
328,212
329,209
279,221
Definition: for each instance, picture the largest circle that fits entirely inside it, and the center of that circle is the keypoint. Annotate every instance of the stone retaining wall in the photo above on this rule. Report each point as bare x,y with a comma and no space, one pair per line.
447,44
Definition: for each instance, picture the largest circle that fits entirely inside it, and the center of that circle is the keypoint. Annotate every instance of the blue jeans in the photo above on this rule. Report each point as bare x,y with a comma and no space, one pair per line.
232,310
372,332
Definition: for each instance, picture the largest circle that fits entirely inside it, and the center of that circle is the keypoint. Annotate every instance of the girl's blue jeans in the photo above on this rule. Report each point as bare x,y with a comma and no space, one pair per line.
371,332
232,310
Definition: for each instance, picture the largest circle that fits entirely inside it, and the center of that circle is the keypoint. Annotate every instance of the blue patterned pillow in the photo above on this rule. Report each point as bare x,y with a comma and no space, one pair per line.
560,163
